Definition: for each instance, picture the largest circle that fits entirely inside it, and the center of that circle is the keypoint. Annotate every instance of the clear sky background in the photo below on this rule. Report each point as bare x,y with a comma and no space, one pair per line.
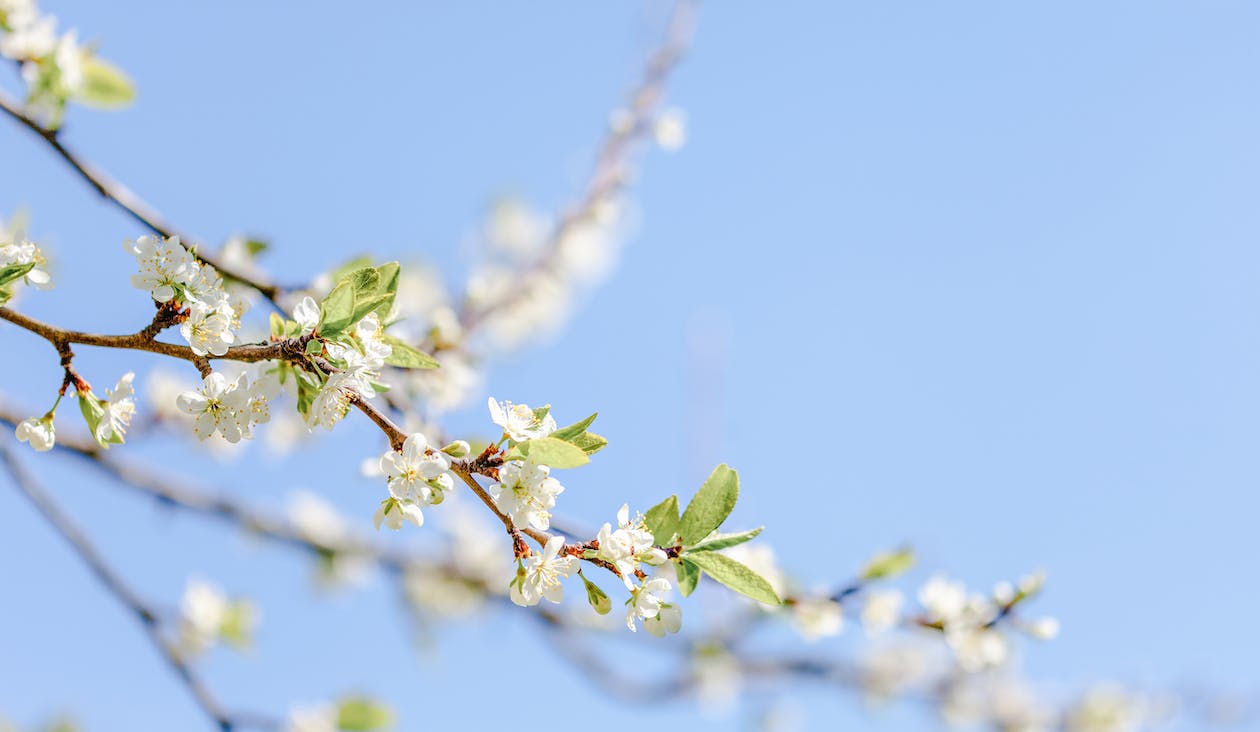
980,276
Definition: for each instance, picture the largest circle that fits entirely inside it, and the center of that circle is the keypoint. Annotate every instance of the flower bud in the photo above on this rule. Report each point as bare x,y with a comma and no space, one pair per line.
458,449
596,597
40,432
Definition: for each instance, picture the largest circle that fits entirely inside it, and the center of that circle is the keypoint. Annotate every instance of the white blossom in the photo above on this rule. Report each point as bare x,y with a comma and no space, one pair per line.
882,610
203,610
667,620
670,130
519,421
646,601
209,331
817,617
316,718
164,264
18,252
417,473
628,546
393,512
1041,628
220,405
38,431
527,493
306,314
358,369
542,575
118,409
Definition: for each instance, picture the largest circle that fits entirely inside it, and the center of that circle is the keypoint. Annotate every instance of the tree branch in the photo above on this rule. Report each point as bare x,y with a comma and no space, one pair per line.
127,201
118,587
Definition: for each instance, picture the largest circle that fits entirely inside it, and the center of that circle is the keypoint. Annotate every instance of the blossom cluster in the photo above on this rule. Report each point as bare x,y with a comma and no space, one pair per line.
52,65
17,251
358,365
230,408
418,476
170,273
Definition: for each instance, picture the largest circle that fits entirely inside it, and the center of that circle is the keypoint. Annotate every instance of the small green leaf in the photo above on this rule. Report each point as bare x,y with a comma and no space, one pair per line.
715,542
711,505
597,598
336,312
553,453
360,714
104,85
277,326
365,304
405,357
734,575
889,564
568,434
590,442
364,280
314,347
14,271
688,576
662,520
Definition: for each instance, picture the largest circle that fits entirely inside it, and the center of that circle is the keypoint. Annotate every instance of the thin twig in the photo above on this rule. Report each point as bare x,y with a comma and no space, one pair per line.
129,202
118,587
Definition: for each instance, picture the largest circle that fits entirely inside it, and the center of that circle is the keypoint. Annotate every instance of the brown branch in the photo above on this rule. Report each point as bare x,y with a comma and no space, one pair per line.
608,176
144,341
118,587
127,201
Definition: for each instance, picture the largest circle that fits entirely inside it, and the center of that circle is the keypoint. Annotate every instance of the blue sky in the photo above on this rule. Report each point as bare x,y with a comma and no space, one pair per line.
977,276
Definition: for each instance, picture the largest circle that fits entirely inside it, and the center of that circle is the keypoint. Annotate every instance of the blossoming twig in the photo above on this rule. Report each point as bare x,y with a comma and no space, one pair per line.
123,592
124,199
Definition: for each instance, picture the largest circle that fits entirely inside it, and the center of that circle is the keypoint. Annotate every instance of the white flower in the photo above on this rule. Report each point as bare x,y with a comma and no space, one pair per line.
977,647
392,512
1041,628
668,619
944,600
333,400
68,58
307,315
202,611
39,432
209,331
119,408
817,618
670,130
18,252
882,611
645,601
164,265
543,573
220,405
417,473
527,493
519,421
31,37
628,546
317,718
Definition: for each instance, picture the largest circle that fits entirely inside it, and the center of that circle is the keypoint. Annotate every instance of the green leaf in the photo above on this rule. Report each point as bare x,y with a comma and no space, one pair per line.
14,271
715,542
710,506
688,576
93,412
105,86
590,442
405,357
568,434
662,520
734,575
277,326
390,271
360,714
553,453
364,304
889,564
336,312
364,280
314,347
